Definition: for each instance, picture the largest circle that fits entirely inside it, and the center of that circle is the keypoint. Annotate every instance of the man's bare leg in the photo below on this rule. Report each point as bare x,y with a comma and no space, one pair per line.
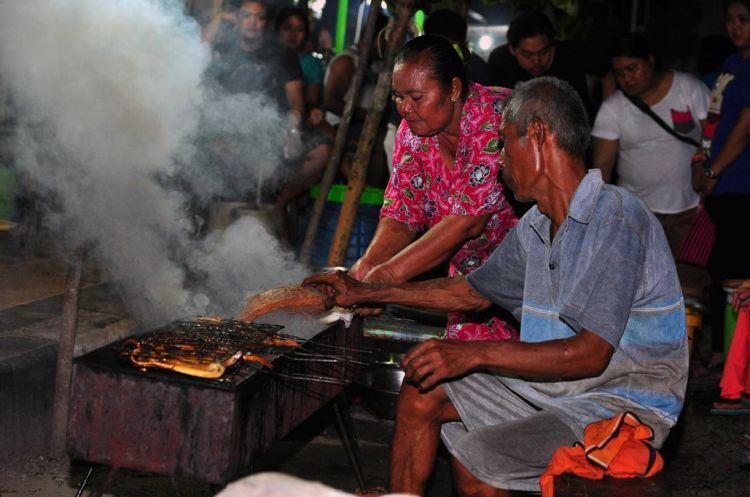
419,417
469,486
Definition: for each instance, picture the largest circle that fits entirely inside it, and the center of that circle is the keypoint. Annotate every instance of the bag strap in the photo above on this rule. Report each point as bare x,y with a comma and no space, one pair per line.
650,113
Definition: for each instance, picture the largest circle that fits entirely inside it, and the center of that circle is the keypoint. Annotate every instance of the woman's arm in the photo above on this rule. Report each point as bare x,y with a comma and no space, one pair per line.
605,156
737,141
295,97
437,245
390,237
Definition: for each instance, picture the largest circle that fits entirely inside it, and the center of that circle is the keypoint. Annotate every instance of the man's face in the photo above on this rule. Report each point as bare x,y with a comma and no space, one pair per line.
634,75
420,99
292,32
516,161
534,54
252,19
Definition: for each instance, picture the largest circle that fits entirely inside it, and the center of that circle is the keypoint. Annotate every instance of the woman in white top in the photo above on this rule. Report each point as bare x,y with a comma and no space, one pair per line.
647,159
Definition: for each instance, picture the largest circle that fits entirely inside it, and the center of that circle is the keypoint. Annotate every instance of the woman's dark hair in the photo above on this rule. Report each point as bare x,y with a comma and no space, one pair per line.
746,3
528,25
438,54
292,11
633,45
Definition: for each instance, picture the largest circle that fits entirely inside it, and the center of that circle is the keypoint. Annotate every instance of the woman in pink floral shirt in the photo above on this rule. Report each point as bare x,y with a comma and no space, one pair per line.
444,181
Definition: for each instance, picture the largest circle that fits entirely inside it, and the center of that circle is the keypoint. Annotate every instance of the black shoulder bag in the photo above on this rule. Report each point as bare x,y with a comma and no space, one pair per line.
647,110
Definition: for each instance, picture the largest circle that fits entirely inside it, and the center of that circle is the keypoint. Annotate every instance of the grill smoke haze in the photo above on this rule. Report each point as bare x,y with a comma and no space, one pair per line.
109,99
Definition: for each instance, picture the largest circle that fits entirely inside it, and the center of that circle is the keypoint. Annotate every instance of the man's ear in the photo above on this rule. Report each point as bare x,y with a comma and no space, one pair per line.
512,50
537,132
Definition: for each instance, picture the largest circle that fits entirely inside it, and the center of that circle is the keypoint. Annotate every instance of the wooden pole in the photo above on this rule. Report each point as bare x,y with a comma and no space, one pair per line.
399,23
63,377
338,148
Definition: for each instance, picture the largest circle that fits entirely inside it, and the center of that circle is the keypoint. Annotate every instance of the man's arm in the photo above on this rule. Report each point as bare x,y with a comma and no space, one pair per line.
341,74
584,355
214,25
442,294
605,156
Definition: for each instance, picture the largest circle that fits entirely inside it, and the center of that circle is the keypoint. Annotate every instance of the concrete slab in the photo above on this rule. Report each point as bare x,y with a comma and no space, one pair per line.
95,330
27,373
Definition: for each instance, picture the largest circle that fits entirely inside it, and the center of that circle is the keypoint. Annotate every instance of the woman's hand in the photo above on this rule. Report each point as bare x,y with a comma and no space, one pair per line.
316,116
359,269
702,183
741,295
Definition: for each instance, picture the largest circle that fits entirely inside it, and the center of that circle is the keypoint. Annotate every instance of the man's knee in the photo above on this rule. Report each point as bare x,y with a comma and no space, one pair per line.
433,405
469,485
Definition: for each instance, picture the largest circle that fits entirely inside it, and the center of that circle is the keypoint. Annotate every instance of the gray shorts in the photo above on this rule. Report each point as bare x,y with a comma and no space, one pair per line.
502,439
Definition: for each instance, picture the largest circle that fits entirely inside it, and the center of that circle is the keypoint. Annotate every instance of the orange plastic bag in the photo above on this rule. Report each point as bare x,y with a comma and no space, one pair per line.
616,447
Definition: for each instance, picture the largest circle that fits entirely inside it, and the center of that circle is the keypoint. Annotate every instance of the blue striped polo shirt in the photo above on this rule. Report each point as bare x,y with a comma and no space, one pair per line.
608,270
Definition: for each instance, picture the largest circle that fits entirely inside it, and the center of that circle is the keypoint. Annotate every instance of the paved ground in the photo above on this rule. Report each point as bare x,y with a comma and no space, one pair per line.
702,454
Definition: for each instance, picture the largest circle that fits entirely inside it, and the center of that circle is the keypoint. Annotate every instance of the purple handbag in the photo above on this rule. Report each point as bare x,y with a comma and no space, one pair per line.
699,241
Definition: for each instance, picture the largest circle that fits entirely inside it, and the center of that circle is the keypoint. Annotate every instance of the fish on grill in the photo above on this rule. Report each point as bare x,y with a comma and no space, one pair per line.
297,298
205,347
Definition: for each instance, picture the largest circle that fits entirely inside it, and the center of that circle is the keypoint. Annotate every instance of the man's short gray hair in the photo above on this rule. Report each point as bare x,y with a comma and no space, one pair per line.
557,105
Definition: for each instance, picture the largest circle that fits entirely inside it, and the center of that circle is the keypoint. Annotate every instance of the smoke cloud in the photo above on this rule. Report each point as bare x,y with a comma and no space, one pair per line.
113,121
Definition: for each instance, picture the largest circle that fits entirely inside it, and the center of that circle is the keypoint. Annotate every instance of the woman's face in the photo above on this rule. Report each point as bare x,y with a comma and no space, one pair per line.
292,32
421,100
738,25
252,18
634,75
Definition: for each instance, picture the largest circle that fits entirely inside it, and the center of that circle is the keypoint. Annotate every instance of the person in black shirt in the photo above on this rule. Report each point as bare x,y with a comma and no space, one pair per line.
532,51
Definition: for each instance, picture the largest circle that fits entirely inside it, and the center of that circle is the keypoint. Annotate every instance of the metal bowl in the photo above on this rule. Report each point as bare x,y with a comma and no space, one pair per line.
380,388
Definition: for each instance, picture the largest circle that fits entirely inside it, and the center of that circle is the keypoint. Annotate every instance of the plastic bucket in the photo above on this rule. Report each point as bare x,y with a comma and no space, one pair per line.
363,229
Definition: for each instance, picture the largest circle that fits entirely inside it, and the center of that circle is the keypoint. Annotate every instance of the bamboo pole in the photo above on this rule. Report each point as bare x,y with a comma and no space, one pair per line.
65,352
338,148
399,23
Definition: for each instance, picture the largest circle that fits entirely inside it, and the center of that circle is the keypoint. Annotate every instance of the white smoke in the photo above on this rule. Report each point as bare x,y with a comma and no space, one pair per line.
109,100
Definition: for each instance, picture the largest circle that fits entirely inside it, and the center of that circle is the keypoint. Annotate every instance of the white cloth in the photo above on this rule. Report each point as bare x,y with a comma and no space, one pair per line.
652,163
281,485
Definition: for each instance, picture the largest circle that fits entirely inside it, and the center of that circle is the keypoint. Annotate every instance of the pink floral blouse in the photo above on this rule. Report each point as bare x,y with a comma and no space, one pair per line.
422,191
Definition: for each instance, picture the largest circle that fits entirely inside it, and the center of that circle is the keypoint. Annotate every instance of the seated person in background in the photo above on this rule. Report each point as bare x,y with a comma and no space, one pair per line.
588,274
450,25
651,162
293,29
336,90
444,181
249,60
532,51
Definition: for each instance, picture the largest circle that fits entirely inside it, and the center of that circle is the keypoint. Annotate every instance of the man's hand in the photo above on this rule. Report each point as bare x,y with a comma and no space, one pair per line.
342,289
433,361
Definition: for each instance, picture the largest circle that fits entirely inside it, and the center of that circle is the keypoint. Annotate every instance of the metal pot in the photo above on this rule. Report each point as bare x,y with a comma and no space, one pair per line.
380,388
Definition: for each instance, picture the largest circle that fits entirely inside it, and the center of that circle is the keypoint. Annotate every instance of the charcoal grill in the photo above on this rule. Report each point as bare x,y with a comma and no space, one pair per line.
165,423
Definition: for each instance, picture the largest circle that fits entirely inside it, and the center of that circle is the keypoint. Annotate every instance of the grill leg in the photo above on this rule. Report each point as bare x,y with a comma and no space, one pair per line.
85,482
348,438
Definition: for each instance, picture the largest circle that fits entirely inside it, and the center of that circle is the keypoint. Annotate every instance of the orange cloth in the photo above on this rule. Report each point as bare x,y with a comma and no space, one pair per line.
736,376
616,447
